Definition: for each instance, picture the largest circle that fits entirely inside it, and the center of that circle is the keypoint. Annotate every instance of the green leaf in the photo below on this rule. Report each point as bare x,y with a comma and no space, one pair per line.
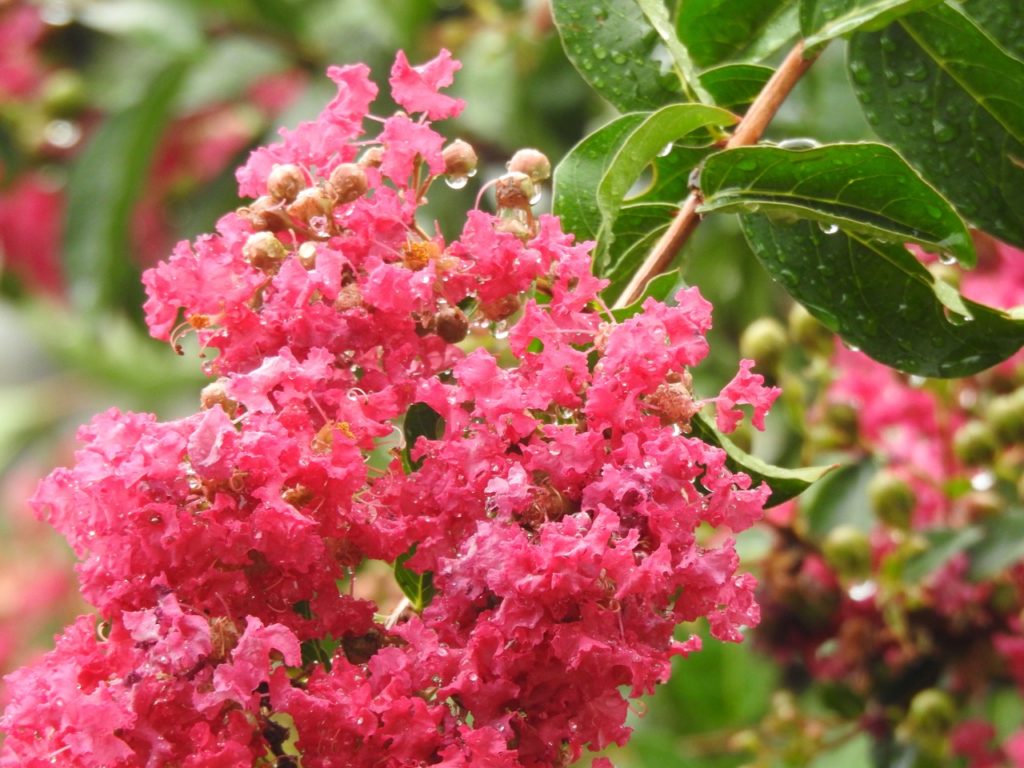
943,544
822,20
1002,20
735,86
716,31
865,188
881,299
951,100
418,587
618,52
1001,547
641,146
576,178
839,499
420,421
105,183
785,483
660,288
637,228
686,70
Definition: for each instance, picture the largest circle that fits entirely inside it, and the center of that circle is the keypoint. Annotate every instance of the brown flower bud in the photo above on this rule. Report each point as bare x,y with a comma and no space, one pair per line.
223,638
264,214
264,251
372,158
285,182
348,182
514,190
502,308
451,324
216,393
310,203
532,162
514,226
674,402
349,297
459,159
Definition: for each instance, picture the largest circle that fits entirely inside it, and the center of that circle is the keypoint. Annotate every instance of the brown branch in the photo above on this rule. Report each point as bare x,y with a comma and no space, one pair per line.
748,132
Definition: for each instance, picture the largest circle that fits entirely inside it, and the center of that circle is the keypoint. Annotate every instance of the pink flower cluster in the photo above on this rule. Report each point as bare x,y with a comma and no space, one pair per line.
559,505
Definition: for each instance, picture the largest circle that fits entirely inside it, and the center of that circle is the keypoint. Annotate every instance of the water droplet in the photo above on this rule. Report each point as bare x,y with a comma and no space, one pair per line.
861,72
553,449
916,381
828,229
917,72
501,330
471,173
955,318
539,193
456,182
798,143
943,131
888,44
903,118
862,591
619,58
600,53
893,78
947,258
665,150
983,481
747,165
62,134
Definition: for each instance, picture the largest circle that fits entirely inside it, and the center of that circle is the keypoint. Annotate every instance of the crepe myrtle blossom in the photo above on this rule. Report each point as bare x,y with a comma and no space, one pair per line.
557,503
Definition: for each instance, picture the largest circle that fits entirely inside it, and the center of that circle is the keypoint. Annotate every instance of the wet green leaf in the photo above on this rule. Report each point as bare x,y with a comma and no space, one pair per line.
420,421
660,288
882,300
785,483
717,31
951,100
418,587
822,20
637,229
1001,547
864,188
735,86
1002,19
617,51
682,63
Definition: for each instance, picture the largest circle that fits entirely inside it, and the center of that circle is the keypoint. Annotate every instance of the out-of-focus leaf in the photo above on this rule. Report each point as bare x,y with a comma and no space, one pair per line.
1002,20
174,26
227,67
951,100
1001,546
717,31
865,188
618,52
822,20
105,183
785,483
839,499
882,300
943,544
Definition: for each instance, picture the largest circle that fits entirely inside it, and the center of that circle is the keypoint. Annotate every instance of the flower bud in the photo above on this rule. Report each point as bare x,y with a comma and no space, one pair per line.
1005,416
848,551
349,297
931,715
310,203
285,182
764,341
216,393
372,158
500,309
974,444
264,251
811,335
63,93
839,427
264,214
348,182
459,159
514,190
892,499
451,324
674,402
533,163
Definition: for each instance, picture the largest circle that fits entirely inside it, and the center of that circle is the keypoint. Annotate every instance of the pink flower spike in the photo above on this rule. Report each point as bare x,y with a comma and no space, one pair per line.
416,88
748,388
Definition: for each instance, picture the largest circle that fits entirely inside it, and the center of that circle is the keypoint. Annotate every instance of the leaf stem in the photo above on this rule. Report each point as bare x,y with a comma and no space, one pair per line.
748,132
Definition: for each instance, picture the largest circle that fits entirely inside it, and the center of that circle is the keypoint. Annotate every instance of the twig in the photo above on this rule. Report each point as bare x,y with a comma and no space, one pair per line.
748,132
